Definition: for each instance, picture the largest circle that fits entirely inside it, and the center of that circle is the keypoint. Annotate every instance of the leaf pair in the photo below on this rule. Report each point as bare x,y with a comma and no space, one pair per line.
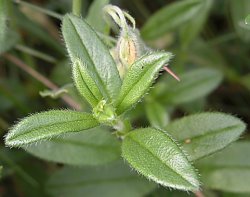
95,73
98,76
155,155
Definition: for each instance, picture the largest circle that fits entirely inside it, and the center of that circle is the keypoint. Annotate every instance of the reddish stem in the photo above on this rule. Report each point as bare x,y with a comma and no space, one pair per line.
171,73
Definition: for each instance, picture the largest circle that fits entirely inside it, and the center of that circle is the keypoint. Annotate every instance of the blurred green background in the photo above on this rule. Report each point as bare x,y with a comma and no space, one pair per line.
210,43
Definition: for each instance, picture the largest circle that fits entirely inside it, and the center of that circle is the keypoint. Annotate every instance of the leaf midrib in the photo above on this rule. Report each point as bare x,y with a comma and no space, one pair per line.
44,126
165,164
136,82
212,132
96,100
87,52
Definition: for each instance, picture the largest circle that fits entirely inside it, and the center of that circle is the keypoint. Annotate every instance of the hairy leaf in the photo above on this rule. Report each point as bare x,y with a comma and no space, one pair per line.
48,124
85,84
170,17
194,84
139,78
154,154
106,181
92,147
83,43
228,170
205,133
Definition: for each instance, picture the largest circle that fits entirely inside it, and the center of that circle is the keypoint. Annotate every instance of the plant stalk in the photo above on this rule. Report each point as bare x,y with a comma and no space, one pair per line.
36,53
39,9
122,127
77,7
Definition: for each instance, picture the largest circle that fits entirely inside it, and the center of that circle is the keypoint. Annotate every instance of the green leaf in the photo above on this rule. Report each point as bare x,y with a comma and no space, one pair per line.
247,20
193,27
95,16
238,11
139,78
8,38
83,43
106,181
92,147
3,23
193,85
154,154
228,170
85,84
48,124
206,55
205,133
157,114
169,18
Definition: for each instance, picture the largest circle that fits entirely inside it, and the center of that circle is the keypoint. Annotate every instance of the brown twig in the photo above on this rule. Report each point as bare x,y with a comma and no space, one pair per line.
198,194
41,78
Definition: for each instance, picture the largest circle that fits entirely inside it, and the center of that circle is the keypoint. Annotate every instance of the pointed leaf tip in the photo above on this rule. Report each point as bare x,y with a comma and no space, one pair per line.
155,155
48,124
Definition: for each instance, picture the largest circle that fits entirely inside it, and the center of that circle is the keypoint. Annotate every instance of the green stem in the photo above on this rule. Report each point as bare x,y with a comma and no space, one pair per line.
122,127
36,53
77,7
39,9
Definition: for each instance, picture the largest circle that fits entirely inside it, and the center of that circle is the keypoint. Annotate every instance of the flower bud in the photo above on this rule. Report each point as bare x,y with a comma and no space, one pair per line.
127,52
130,47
